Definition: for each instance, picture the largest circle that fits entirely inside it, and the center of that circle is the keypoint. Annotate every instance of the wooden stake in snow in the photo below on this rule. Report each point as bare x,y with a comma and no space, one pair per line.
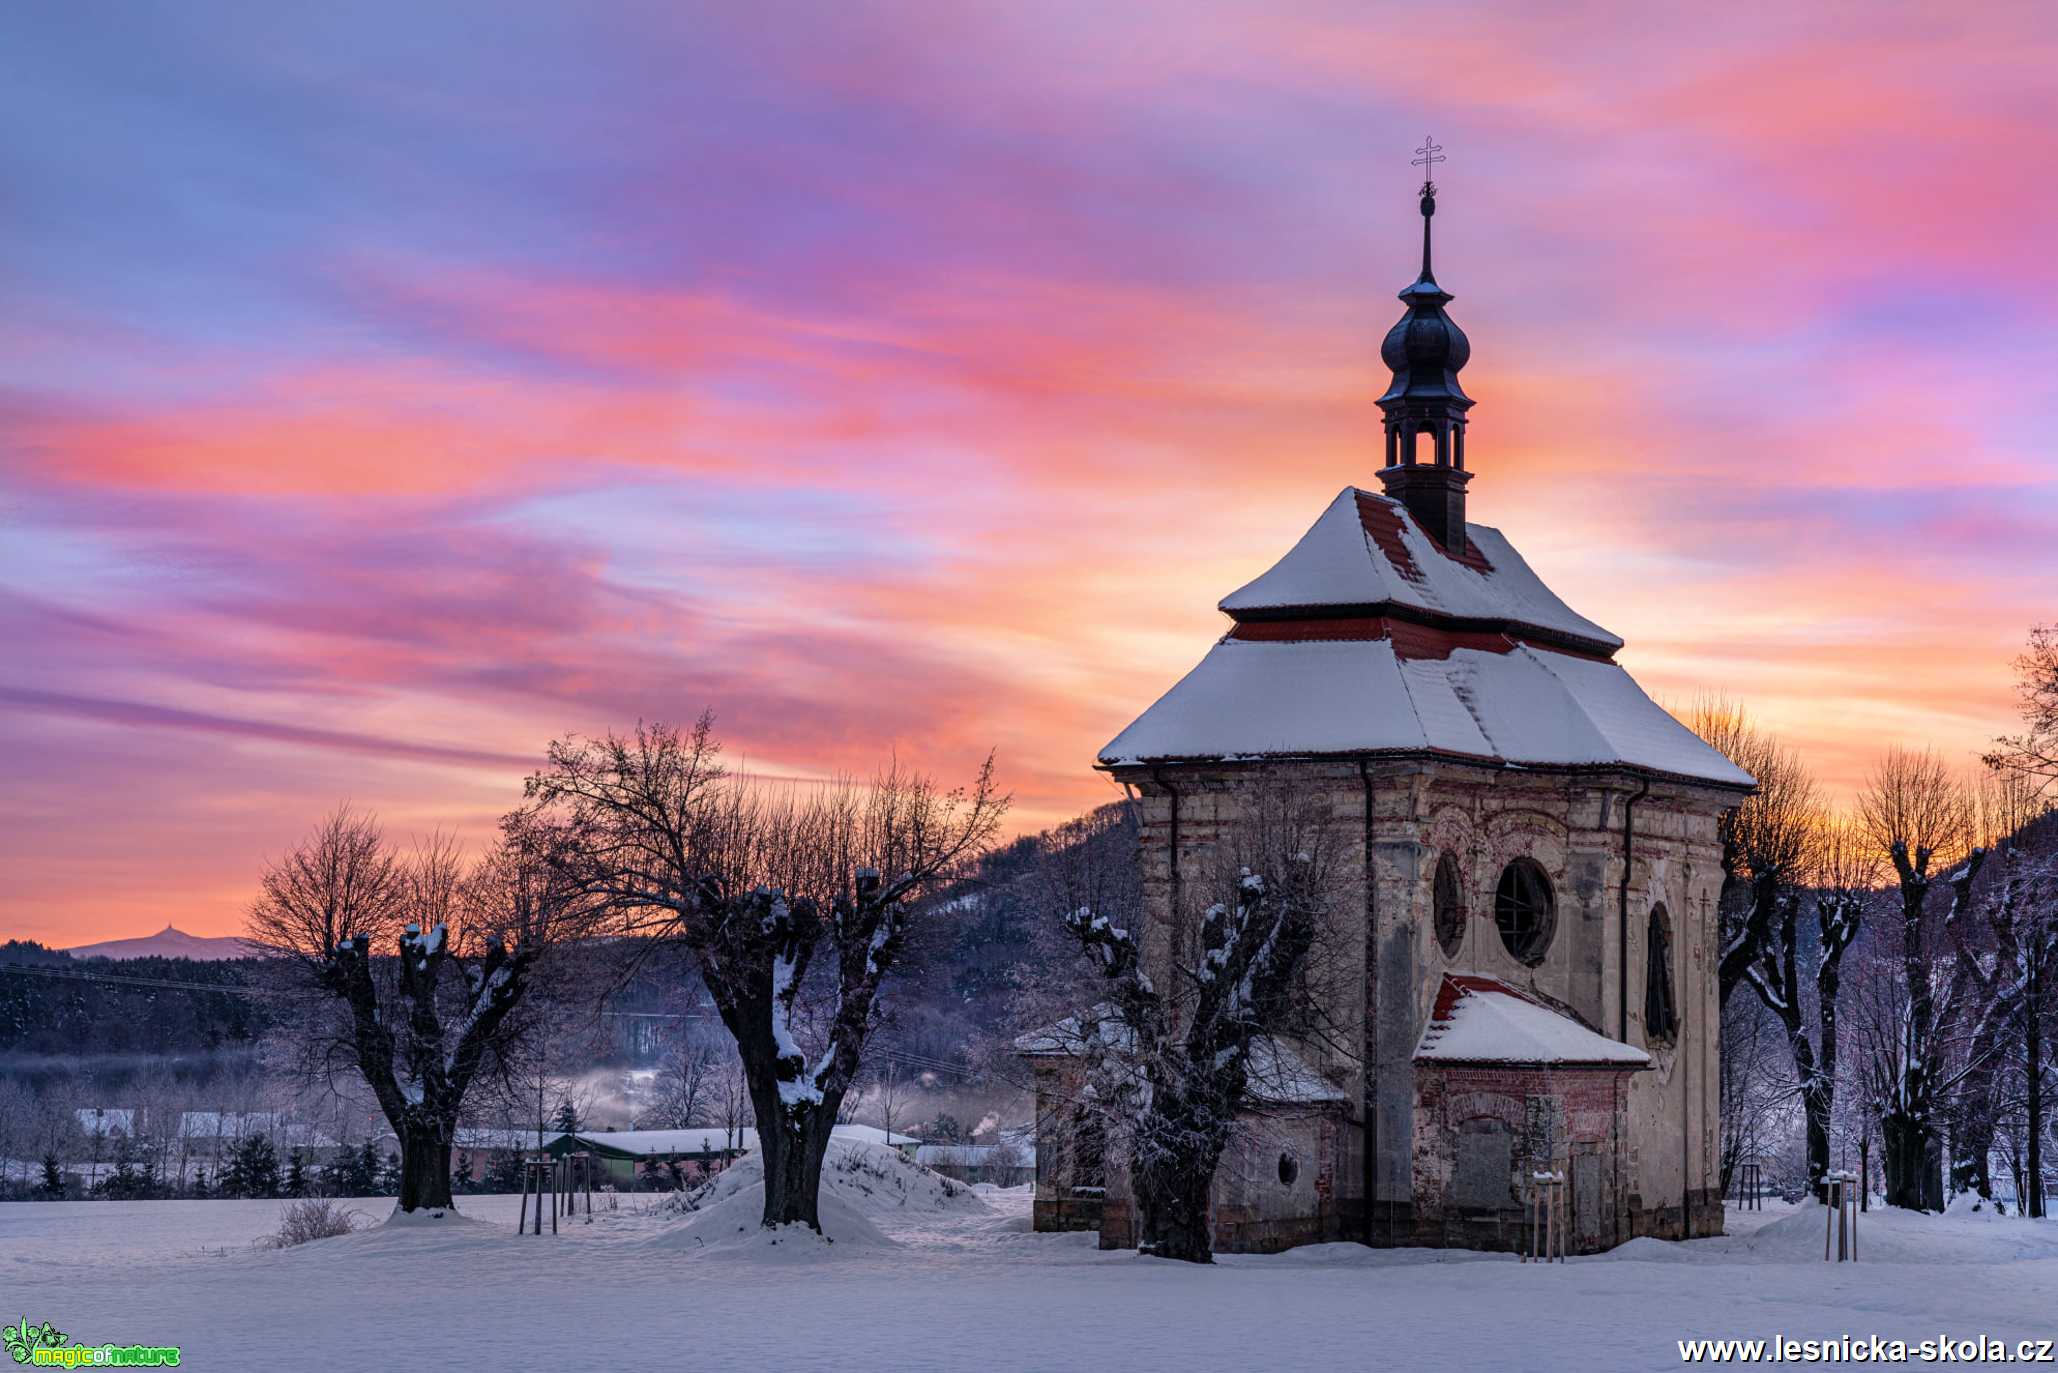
538,1174
579,1168
1546,1218
1840,1191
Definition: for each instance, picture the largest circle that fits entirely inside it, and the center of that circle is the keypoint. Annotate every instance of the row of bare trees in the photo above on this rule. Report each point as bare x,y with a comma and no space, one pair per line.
431,977
1947,885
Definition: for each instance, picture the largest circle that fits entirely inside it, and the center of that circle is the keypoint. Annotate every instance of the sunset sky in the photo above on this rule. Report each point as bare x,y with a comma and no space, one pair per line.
386,388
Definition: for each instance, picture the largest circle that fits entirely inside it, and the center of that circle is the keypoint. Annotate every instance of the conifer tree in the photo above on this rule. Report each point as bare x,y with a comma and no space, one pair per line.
504,1174
53,1176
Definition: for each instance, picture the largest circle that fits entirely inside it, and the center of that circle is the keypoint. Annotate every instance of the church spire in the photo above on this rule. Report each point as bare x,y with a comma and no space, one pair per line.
1425,351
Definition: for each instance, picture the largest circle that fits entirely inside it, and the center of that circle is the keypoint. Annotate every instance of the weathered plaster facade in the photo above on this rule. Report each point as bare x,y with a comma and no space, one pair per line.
1639,1148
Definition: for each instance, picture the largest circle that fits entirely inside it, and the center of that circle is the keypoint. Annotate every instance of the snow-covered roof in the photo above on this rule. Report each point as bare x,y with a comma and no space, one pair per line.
1484,1020
1527,706
1368,638
657,1143
107,1120
1366,550
281,1129
872,1134
976,1155
1069,1038
1281,1077
500,1137
708,1139
1278,1075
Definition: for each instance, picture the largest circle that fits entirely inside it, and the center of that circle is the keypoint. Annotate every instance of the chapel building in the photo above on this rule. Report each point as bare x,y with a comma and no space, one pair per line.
1531,881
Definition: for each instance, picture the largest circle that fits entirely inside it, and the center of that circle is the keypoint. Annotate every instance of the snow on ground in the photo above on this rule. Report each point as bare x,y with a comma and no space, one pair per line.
969,1285
862,1184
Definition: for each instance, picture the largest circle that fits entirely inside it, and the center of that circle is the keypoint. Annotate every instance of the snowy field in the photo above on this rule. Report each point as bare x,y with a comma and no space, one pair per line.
928,1280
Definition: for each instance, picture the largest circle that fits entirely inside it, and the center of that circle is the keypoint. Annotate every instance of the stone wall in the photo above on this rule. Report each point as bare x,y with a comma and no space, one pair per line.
1397,819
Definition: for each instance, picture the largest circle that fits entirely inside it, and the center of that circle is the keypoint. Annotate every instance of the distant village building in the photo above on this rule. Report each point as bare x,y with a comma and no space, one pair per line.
630,1160
1532,889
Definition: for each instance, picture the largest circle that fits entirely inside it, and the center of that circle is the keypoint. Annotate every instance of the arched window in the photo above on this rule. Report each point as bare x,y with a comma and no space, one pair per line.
1449,906
1661,1012
1524,911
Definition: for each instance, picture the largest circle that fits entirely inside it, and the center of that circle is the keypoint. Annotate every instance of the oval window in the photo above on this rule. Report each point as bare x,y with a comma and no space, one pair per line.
1449,909
1524,911
1289,1169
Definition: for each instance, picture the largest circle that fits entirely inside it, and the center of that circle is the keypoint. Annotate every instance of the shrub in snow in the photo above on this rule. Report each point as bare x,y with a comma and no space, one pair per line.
314,1218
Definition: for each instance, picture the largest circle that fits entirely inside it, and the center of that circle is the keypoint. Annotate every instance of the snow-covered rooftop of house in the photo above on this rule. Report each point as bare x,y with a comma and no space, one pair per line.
1527,705
1070,1037
711,1139
655,1143
1484,1020
107,1120
280,1128
872,1134
500,1137
976,1155
1278,1073
1367,550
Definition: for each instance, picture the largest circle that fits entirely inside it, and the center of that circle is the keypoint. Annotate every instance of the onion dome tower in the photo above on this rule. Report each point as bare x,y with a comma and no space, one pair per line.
1425,351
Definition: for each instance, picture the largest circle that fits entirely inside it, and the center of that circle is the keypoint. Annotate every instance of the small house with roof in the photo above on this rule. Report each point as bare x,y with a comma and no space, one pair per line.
1531,888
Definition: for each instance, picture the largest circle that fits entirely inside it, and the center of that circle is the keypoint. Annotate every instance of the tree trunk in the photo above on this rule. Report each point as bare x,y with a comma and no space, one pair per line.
1915,1162
1172,1207
793,1139
1822,1103
793,1155
1906,1156
1816,1100
2032,1202
1972,1136
425,1170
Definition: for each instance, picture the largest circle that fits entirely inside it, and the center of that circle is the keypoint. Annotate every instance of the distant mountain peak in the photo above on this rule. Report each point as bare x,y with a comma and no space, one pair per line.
169,942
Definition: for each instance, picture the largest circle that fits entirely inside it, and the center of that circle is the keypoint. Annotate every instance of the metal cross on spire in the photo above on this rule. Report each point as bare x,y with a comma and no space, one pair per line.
1426,157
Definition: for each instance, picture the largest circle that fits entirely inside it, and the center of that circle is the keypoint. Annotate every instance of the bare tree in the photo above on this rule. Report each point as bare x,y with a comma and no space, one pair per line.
1766,839
2008,957
731,1103
1180,1063
1919,817
2033,754
686,1085
755,883
1756,1085
421,1024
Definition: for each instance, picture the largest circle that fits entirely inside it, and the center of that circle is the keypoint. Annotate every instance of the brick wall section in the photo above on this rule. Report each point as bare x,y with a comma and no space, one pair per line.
1548,1120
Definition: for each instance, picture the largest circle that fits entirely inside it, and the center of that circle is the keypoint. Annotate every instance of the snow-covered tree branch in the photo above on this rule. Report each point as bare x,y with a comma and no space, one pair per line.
796,905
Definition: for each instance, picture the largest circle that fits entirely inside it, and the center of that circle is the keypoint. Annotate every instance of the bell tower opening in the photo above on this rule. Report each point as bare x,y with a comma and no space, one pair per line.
1425,406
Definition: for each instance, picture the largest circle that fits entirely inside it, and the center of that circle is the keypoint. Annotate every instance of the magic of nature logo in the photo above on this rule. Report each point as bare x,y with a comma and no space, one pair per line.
46,1346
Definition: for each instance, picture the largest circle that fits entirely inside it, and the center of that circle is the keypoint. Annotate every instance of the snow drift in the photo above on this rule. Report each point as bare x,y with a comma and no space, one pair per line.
863,1184
1888,1234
